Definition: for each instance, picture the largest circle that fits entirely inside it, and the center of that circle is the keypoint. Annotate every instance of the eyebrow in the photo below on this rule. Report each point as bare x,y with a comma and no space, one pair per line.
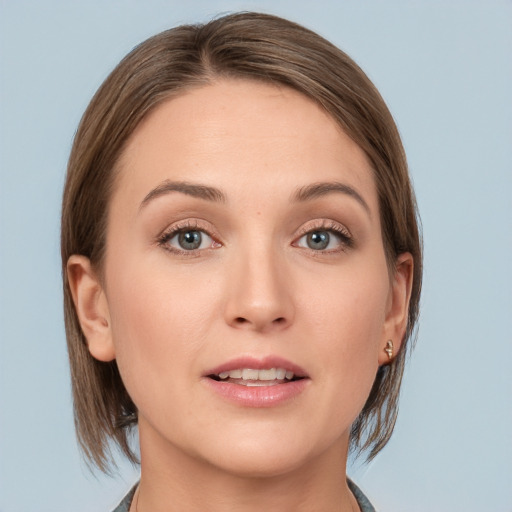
208,193
191,189
316,190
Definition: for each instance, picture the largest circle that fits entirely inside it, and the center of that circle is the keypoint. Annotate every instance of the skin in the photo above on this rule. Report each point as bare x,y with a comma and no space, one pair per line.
254,288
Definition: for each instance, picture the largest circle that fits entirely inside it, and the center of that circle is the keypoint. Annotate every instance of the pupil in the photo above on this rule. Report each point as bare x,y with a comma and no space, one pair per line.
190,240
318,240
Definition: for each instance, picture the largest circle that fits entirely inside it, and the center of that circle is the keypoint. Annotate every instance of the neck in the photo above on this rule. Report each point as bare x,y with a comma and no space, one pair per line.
172,480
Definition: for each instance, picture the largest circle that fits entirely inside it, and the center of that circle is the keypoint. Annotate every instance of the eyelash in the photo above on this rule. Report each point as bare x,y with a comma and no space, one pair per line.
345,238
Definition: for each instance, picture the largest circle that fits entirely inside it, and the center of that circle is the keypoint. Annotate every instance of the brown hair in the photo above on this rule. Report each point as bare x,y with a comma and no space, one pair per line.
245,45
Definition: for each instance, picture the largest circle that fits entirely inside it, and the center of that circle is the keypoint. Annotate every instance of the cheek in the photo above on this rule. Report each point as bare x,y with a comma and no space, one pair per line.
159,319
350,307
346,319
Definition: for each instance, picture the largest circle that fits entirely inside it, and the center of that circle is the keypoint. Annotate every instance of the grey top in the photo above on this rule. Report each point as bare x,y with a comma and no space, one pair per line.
124,506
362,500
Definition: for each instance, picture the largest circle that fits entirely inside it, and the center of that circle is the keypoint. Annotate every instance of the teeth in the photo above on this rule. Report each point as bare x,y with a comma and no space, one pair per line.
255,375
248,374
267,374
256,383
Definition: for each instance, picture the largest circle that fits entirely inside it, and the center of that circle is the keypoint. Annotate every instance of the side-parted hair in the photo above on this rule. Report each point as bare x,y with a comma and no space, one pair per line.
240,46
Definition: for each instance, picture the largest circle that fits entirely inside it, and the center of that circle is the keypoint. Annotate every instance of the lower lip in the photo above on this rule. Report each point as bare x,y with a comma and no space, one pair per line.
258,396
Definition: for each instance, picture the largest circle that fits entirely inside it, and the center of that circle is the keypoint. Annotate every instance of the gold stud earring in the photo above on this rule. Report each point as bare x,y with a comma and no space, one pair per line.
389,349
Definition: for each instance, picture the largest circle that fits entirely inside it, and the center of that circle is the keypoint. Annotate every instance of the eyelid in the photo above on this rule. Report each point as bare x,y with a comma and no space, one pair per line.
326,224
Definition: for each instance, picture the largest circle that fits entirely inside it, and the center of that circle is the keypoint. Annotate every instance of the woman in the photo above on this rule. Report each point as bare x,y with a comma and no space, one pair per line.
242,268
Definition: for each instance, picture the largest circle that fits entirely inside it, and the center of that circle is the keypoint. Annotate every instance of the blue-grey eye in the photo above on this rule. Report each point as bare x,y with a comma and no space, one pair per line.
190,240
187,239
327,239
318,240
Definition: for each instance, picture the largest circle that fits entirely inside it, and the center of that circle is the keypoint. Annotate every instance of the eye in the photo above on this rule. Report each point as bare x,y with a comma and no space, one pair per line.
190,240
318,241
325,238
186,239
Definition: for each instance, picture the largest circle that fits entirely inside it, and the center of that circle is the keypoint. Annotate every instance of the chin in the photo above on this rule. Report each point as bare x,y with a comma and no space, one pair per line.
259,456
262,465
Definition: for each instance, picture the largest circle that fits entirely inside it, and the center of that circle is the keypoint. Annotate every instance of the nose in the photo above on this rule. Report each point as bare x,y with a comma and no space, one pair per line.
260,296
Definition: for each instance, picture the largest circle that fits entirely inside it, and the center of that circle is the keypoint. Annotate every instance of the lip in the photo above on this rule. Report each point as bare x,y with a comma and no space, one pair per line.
258,396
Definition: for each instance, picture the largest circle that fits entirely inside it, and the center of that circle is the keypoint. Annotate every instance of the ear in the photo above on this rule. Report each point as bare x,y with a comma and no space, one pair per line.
91,306
398,307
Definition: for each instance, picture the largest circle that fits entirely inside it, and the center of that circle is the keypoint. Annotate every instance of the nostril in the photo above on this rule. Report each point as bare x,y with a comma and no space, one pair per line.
241,321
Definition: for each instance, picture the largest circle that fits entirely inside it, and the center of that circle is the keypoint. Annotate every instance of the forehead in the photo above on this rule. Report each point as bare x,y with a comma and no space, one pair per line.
232,131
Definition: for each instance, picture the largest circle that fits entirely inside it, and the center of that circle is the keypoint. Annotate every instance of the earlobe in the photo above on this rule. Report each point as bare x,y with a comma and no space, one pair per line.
398,309
91,306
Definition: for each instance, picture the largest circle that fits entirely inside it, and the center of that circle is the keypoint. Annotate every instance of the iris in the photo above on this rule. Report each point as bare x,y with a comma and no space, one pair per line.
318,240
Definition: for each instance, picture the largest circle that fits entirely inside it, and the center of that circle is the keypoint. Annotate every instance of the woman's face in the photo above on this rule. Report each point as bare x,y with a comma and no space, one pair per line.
244,234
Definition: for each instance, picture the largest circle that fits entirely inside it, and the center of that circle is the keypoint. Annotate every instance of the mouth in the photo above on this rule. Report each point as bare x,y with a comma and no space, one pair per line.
256,377
258,382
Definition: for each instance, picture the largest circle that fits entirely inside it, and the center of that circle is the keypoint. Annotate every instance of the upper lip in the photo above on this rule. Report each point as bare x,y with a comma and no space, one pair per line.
258,363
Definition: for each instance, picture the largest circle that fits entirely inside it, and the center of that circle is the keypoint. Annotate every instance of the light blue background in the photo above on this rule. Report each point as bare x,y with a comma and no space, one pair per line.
445,69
